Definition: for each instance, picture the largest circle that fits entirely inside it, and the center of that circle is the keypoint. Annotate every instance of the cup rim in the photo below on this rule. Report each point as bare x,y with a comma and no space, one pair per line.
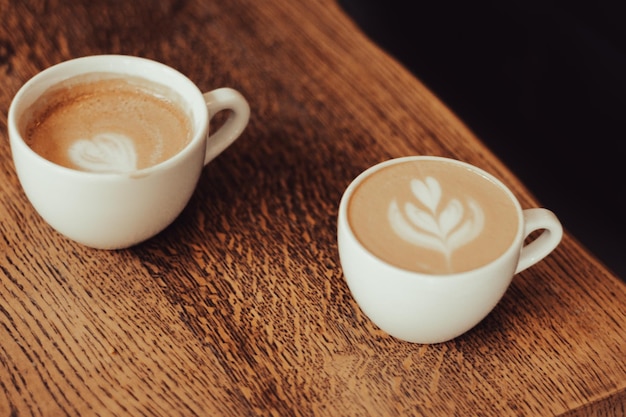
110,63
344,223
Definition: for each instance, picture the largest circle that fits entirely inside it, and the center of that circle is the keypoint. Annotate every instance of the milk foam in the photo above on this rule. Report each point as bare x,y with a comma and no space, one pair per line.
101,122
430,226
105,152
432,217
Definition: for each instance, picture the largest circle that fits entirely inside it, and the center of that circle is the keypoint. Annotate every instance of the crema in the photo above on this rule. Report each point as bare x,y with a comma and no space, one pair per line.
432,217
107,122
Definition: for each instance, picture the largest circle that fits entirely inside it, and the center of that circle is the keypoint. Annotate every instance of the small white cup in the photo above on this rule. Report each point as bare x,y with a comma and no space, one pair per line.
118,210
430,308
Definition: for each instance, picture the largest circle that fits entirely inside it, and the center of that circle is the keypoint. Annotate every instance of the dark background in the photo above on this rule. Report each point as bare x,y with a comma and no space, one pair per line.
542,83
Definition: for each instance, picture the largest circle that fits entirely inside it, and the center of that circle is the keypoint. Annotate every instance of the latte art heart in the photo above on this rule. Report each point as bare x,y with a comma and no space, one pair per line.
108,123
105,152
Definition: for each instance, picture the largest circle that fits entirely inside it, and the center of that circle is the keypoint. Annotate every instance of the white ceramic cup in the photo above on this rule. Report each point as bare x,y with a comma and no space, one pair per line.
432,308
118,210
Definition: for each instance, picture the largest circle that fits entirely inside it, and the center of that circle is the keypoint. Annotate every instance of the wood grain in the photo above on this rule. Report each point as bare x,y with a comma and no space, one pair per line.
240,307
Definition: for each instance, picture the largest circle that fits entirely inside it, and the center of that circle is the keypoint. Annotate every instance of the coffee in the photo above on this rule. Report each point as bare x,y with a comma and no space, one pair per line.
106,122
432,216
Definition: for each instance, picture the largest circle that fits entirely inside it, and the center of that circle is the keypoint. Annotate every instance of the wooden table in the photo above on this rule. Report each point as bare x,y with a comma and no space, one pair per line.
240,307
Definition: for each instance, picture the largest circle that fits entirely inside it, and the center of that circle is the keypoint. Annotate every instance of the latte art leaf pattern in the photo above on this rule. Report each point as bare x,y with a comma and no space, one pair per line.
105,152
444,229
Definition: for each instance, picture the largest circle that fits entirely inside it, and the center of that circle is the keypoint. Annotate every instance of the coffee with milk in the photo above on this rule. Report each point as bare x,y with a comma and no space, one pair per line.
105,122
433,217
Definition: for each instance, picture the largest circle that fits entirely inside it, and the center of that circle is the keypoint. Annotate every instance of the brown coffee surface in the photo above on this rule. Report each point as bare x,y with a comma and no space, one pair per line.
434,217
105,122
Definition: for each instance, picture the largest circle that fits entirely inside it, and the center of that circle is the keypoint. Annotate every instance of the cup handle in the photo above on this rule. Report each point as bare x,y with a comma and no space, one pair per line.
552,232
225,99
